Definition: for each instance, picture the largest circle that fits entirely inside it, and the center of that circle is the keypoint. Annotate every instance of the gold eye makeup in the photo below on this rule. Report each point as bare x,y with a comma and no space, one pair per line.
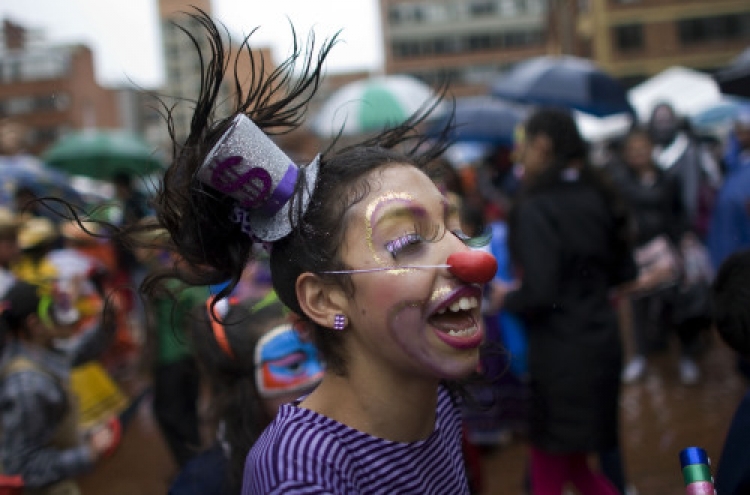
387,198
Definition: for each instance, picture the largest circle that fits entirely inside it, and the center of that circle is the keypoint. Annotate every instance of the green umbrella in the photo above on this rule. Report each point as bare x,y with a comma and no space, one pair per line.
100,154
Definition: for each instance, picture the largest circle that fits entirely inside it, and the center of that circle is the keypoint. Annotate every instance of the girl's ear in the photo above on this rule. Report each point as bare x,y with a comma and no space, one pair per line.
320,301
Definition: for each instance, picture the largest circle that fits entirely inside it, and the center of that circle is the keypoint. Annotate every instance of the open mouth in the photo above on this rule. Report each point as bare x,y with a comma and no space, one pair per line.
457,319
456,322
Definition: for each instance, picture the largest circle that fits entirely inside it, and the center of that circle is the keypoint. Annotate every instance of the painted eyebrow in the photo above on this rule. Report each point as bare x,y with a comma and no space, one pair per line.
416,211
407,211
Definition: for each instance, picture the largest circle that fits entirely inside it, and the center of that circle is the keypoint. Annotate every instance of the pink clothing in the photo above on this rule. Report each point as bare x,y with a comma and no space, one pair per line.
551,472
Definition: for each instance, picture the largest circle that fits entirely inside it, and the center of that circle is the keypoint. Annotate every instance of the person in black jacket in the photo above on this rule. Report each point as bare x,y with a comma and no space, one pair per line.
570,242
656,203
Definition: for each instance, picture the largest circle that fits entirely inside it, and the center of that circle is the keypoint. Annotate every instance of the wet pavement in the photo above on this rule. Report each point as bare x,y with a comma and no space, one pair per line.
660,416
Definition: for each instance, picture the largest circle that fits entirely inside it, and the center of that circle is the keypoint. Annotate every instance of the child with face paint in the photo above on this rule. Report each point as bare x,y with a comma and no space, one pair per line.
367,251
254,360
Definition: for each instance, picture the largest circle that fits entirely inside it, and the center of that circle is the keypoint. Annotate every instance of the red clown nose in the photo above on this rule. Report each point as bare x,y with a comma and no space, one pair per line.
477,267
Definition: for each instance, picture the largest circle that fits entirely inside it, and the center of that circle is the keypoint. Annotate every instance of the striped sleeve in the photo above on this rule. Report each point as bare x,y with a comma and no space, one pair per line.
304,452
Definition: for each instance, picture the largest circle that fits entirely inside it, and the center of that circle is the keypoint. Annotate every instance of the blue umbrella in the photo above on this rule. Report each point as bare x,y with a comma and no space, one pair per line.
720,115
479,119
27,172
569,82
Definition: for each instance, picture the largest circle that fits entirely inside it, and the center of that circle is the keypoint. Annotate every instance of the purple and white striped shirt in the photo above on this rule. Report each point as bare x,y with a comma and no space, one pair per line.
303,452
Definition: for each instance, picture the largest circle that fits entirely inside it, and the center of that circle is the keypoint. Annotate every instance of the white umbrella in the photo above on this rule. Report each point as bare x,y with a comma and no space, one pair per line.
600,129
687,90
371,105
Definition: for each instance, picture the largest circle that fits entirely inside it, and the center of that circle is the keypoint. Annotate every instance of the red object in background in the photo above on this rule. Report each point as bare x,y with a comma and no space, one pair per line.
473,464
11,485
115,426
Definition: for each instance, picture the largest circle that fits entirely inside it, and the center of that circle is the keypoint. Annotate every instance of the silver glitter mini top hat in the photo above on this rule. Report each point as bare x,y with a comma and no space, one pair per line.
248,166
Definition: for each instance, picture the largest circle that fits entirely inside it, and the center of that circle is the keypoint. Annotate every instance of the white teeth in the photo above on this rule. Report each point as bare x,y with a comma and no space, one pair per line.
462,333
463,304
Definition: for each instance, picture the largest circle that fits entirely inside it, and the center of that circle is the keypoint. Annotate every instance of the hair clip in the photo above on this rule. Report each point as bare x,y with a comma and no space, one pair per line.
246,165
217,327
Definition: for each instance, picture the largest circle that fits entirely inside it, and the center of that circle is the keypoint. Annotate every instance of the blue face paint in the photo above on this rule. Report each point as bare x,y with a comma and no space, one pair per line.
284,363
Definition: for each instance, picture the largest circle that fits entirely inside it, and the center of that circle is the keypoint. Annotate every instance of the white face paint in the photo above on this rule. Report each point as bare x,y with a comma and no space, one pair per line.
420,321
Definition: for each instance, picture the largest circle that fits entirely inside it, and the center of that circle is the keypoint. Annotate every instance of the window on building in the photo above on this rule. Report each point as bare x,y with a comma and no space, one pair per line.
406,49
628,37
479,8
44,135
394,15
419,13
19,105
509,8
38,68
444,45
536,6
479,42
46,103
436,12
728,27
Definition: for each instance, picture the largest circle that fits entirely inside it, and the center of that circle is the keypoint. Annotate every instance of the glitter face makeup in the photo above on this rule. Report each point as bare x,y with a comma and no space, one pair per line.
382,200
425,320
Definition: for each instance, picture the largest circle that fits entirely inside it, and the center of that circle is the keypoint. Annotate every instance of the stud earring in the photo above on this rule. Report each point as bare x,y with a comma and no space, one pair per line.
339,322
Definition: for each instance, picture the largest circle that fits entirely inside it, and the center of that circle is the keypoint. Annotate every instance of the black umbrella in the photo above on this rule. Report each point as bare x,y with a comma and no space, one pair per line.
734,79
566,81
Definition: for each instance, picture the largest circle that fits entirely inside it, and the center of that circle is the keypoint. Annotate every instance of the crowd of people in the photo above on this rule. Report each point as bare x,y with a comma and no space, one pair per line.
350,316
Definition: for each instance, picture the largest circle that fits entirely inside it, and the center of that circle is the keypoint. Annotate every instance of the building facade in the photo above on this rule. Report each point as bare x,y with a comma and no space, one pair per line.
636,39
182,66
467,41
471,41
50,89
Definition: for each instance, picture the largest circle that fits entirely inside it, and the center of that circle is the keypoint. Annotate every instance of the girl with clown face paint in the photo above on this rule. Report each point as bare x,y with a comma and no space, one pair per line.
254,359
367,251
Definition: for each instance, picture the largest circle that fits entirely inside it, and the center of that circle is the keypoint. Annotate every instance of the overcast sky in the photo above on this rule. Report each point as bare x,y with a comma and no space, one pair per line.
124,34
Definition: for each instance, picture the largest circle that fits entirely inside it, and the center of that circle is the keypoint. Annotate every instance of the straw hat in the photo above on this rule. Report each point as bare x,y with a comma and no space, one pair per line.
36,231
9,222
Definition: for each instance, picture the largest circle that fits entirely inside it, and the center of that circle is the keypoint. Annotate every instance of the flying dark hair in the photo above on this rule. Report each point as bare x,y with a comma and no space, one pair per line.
211,246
